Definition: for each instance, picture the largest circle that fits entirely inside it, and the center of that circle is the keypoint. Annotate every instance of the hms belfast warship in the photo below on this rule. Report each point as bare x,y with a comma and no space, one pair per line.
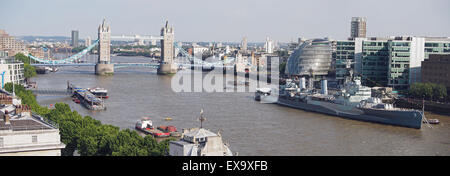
354,101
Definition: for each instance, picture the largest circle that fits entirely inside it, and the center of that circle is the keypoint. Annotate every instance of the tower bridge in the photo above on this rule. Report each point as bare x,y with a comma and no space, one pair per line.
104,66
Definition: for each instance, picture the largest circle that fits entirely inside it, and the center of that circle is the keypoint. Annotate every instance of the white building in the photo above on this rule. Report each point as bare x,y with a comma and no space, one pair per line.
13,71
22,134
269,45
199,142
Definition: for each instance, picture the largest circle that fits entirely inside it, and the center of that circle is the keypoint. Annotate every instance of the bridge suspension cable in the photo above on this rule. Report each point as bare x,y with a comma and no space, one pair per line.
65,60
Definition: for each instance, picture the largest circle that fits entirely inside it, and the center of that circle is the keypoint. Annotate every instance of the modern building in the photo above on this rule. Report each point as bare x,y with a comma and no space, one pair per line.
390,61
13,71
358,27
312,59
25,134
436,69
74,42
199,142
10,44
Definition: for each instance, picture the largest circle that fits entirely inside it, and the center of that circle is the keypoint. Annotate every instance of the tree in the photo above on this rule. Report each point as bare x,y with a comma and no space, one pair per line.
29,71
439,91
429,91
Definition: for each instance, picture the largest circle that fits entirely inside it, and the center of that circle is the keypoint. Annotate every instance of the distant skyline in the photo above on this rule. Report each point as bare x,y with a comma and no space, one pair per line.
226,21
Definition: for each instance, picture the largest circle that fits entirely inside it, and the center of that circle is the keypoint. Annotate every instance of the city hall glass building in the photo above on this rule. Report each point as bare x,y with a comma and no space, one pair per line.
310,59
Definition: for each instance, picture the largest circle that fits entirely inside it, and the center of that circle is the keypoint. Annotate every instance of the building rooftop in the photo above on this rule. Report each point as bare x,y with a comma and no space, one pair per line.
24,125
20,119
200,133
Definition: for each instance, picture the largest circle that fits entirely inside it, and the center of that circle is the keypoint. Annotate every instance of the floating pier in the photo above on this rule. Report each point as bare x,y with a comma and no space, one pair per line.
87,99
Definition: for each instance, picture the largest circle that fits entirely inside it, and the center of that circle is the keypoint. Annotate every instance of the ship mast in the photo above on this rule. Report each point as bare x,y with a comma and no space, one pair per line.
201,119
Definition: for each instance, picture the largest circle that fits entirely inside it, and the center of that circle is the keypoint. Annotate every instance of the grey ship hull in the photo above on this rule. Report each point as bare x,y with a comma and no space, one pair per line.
404,118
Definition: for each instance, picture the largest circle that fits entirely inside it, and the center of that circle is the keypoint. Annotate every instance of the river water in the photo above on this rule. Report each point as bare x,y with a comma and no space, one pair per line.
251,128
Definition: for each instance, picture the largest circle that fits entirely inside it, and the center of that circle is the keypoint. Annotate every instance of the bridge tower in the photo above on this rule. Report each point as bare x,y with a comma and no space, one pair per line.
104,65
167,51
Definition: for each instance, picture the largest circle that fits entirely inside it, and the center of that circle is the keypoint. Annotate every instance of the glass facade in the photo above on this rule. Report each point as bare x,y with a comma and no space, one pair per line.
399,57
311,58
385,62
374,62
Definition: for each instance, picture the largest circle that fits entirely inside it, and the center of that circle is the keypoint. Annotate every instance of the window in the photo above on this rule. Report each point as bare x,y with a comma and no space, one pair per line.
1,142
34,139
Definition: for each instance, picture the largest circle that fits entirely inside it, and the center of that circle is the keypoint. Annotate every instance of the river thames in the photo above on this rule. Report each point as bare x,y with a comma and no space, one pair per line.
251,128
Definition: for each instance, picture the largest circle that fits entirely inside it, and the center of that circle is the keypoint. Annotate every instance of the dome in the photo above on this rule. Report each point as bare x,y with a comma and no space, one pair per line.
311,57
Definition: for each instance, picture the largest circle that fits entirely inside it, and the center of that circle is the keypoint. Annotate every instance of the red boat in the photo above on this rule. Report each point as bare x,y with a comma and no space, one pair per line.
76,100
172,130
146,125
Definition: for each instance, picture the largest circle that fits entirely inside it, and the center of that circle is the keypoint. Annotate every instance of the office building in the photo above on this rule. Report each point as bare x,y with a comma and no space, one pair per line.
436,69
390,61
74,42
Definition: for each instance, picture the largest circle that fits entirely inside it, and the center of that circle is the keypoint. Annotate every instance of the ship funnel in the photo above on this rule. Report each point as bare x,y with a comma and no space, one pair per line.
302,83
324,88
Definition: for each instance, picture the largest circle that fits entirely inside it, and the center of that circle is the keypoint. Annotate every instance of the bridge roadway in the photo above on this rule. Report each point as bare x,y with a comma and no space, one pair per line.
122,65
51,91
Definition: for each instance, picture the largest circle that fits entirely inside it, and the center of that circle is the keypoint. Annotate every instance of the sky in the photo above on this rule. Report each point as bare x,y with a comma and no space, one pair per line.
226,20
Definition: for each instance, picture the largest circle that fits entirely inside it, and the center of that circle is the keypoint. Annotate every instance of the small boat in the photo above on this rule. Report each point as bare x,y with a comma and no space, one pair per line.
76,100
432,121
266,95
54,69
146,125
261,92
168,119
99,92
